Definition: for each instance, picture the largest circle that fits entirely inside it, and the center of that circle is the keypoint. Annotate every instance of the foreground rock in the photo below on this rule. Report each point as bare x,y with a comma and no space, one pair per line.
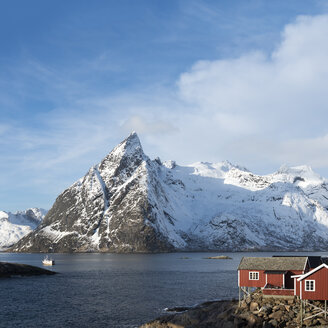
253,312
16,269
212,314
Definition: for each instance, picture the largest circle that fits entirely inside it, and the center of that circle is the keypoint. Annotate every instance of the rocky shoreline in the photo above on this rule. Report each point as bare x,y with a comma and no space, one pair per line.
255,311
8,270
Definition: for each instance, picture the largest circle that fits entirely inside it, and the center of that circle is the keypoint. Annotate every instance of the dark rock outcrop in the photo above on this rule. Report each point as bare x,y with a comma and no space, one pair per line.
219,314
16,269
108,210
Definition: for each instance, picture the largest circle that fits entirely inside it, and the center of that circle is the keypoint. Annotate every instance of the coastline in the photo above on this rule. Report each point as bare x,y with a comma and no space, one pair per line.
255,311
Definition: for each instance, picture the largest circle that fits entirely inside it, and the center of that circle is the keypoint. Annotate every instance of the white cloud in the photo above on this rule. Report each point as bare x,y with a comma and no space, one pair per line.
259,110
248,109
314,149
275,99
4,128
145,126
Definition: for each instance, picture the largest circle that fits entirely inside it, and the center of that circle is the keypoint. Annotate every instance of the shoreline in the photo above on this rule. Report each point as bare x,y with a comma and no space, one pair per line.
10,251
255,311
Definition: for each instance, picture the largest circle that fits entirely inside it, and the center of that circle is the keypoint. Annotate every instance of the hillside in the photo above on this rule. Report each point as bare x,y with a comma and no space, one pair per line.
129,203
14,226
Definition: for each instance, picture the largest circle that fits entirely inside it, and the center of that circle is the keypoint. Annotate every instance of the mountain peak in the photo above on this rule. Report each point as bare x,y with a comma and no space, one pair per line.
129,203
128,153
132,140
301,173
129,146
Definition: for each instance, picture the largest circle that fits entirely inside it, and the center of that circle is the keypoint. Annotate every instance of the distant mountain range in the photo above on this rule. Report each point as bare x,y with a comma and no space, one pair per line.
14,226
129,203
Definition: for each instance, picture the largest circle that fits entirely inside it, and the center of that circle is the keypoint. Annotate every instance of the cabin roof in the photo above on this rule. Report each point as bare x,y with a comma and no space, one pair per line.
273,263
303,276
314,261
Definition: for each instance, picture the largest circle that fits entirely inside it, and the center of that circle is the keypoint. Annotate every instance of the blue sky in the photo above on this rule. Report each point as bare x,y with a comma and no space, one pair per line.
198,80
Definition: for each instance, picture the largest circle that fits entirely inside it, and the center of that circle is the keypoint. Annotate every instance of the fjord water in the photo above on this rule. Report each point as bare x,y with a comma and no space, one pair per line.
114,290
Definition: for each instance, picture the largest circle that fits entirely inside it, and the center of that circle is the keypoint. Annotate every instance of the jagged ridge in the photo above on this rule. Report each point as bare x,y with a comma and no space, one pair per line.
14,226
129,203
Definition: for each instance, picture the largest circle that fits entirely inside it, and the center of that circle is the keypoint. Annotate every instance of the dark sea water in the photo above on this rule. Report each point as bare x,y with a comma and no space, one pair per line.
114,290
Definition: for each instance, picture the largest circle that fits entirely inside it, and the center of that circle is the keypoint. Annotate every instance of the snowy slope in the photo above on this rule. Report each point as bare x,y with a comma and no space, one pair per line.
14,226
129,203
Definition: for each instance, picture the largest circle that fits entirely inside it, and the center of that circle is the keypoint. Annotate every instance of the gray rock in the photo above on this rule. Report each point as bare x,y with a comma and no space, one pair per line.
273,322
254,306
266,309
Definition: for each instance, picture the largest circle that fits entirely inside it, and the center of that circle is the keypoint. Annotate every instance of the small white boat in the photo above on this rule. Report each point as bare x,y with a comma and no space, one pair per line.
48,261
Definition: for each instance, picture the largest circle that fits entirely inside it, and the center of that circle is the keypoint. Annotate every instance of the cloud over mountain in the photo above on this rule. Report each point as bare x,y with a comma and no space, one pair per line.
259,108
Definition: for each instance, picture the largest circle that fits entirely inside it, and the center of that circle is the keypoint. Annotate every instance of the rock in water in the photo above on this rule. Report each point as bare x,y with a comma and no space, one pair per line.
129,203
16,269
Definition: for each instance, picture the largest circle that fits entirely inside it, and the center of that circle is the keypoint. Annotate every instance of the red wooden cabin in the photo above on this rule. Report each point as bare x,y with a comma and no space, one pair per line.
272,274
313,285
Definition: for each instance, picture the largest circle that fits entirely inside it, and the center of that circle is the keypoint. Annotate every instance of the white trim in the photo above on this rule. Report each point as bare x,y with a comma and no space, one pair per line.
305,287
296,276
266,279
283,281
300,289
323,265
256,274
238,278
294,286
306,262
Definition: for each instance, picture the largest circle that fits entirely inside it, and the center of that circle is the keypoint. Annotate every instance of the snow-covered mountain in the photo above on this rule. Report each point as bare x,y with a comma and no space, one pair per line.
14,226
129,203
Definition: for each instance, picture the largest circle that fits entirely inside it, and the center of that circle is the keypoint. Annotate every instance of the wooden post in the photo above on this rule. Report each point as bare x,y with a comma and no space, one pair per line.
239,296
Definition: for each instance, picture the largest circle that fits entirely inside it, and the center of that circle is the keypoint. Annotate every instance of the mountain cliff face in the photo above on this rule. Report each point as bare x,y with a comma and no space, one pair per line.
14,226
129,203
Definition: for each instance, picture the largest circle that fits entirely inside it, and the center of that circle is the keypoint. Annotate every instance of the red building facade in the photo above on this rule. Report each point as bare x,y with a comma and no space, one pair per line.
274,275
303,276
313,285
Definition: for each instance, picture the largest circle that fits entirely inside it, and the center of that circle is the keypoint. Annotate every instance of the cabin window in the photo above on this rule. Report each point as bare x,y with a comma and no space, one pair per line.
253,276
309,285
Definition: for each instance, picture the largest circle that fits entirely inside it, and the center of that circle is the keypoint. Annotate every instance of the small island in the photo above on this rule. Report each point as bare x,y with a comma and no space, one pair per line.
8,270
218,257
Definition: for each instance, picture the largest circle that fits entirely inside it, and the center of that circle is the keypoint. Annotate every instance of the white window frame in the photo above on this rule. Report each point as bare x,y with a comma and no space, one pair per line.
307,285
254,275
